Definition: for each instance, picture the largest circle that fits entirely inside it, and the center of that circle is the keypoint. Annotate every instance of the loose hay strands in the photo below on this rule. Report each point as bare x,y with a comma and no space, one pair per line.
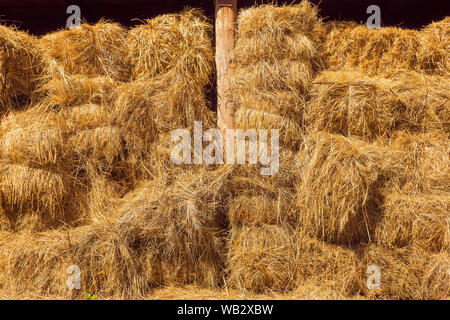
352,104
421,220
21,66
336,194
177,42
262,259
434,53
89,50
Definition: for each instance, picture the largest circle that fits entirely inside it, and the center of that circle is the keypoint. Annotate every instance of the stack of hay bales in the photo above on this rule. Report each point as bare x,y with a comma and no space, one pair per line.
169,83
274,66
107,138
276,56
385,97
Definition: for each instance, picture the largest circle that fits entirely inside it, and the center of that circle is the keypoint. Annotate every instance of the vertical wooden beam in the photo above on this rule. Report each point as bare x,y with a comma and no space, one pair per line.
225,32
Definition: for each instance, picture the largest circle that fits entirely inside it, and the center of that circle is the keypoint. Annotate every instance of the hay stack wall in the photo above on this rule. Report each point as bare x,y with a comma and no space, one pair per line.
86,176
103,134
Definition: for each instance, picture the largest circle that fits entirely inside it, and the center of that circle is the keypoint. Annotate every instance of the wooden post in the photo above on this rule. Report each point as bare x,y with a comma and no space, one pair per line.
225,33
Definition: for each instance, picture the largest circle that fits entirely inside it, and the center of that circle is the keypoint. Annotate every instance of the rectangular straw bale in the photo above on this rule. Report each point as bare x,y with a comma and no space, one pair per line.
402,272
373,52
178,42
98,50
262,258
422,220
417,163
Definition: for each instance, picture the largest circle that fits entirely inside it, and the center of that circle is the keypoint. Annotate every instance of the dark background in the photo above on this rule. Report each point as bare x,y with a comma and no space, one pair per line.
42,16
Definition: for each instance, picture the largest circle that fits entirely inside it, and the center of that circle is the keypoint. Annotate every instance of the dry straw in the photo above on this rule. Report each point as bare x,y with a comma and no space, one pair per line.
417,163
34,138
436,279
276,51
74,90
329,266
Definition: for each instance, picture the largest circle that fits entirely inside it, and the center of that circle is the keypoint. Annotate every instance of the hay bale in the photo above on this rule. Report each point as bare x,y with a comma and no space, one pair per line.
402,272
284,75
331,267
180,223
89,50
86,117
373,52
25,188
436,279
353,104
21,66
433,55
421,220
74,90
262,258
285,103
178,42
417,164
247,179
337,189
35,139
36,264
290,133
272,46
101,147
277,20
